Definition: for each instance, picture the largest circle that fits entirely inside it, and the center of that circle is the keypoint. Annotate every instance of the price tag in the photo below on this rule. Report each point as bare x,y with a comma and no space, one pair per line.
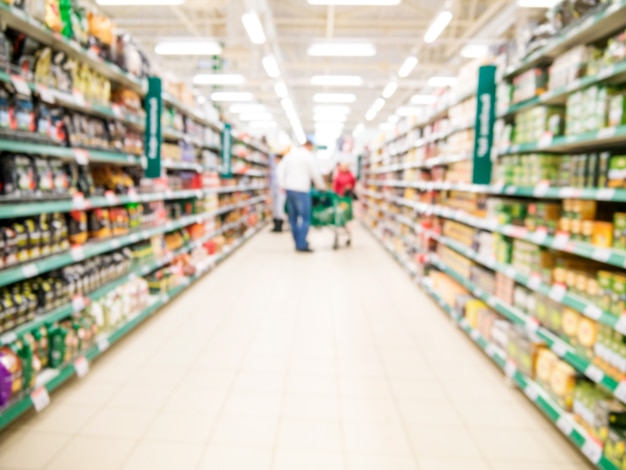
559,348
474,334
593,311
490,350
81,366
606,133
115,243
77,252
620,391
133,238
510,271
621,324
111,197
592,451
40,398
165,298
79,202
601,254
30,270
534,282
560,241
557,292
531,392
103,343
81,156
545,140
532,325
569,193
606,72
117,111
8,338
45,94
594,373
605,194
145,270
79,99
21,86
565,425
510,369
78,303
539,236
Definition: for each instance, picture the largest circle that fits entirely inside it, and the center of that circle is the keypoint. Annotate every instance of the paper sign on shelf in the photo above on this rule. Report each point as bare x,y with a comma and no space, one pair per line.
77,252
621,324
594,373
557,292
606,133
510,369
45,94
103,343
560,240
21,86
81,156
559,348
111,197
534,282
30,270
78,303
592,450
593,311
565,425
605,194
81,366
620,391
531,392
40,398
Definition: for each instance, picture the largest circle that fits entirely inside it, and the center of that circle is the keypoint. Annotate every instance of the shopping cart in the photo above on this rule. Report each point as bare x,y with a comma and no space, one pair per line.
331,210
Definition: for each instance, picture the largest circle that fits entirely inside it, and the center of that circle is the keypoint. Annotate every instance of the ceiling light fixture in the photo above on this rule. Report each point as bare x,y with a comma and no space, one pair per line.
336,80
329,126
358,129
390,89
329,118
407,66
139,2
423,99
386,126
371,114
442,81
382,3
393,118
409,110
271,66
334,98
247,108
232,96
338,109
188,47
253,27
536,3
255,116
218,79
331,49
378,104
475,51
287,104
281,89
201,99
262,124
437,26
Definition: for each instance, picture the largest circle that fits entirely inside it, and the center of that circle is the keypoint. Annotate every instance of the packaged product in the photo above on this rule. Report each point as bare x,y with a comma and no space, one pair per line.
11,383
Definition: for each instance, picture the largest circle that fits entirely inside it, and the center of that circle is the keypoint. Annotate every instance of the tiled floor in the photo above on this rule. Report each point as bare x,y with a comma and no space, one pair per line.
290,362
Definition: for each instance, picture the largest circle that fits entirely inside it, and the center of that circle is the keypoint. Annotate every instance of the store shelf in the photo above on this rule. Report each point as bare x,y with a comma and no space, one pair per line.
18,19
169,100
58,377
83,156
564,421
607,137
78,253
430,163
590,29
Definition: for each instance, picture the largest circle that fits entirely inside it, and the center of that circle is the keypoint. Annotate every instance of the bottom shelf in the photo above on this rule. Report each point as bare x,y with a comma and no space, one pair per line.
563,420
50,379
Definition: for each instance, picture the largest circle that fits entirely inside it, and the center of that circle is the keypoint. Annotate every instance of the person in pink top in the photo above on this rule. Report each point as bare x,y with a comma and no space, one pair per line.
344,181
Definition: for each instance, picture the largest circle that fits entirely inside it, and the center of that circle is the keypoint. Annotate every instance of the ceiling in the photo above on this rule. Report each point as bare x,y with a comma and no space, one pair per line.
290,26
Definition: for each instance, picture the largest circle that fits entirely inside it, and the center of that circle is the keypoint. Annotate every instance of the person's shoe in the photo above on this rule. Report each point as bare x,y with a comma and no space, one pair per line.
279,226
276,228
306,250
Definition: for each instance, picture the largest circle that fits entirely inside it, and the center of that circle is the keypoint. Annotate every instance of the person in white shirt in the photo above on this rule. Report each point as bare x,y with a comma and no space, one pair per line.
295,173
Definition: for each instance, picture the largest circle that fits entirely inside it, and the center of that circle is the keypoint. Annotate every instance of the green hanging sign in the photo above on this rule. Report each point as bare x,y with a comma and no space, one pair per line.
483,129
154,109
227,158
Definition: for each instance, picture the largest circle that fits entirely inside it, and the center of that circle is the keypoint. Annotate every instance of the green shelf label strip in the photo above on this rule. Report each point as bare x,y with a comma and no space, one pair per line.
563,421
9,414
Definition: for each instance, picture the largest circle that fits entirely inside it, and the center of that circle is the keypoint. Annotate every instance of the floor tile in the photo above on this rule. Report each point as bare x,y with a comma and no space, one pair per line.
513,444
308,460
376,438
443,441
61,418
181,426
253,404
424,412
159,455
369,410
120,423
18,449
245,432
235,458
311,406
359,461
96,452
141,397
296,434
444,463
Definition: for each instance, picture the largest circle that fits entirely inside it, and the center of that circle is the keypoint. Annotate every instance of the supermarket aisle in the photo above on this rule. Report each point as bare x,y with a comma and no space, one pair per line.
283,361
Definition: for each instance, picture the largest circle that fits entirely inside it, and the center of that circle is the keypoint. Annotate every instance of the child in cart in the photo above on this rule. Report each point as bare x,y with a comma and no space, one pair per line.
344,181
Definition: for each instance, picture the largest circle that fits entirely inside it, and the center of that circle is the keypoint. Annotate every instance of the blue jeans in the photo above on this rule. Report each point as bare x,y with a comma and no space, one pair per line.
299,209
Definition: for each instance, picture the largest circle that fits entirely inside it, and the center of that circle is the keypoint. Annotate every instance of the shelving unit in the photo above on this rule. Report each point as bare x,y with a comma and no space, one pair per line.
204,209
435,223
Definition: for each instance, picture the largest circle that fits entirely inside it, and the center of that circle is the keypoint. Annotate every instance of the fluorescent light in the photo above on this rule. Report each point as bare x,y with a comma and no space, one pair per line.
329,126
255,116
382,3
442,81
371,114
338,109
231,96
378,104
246,108
393,118
358,129
475,51
334,98
188,47
423,99
407,66
437,26
287,104
271,66
281,89
217,79
331,49
253,27
329,118
409,110
386,126
139,2
262,124
201,99
336,80
537,3
390,89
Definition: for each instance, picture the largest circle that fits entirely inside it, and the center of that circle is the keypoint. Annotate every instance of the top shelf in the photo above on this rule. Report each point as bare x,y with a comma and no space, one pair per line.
593,28
18,19
189,111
